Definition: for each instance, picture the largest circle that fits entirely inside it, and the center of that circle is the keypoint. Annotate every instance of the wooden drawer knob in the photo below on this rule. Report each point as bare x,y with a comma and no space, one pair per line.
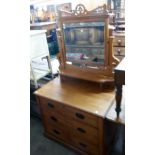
50,105
83,145
119,51
56,131
54,119
81,130
119,41
79,115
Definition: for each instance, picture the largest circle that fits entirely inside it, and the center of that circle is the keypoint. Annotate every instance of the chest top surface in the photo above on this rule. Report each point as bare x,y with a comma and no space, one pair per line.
81,95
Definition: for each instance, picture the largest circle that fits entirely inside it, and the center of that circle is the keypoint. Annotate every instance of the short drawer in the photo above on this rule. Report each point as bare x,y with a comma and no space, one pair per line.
85,146
120,51
119,41
57,130
83,131
81,116
55,119
49,106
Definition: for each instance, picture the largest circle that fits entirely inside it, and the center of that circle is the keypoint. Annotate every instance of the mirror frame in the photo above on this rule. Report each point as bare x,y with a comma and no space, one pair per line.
80,14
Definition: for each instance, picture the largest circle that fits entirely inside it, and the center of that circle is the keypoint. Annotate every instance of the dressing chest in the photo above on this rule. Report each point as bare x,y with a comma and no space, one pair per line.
73,113
73,106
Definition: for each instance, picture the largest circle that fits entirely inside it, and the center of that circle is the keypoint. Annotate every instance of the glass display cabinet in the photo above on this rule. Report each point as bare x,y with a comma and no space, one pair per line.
85,44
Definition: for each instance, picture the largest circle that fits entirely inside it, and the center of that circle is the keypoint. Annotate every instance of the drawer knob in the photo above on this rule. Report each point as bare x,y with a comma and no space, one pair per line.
119,51
54,119
50,105
81,130
83,145
56,131
119,41
79,116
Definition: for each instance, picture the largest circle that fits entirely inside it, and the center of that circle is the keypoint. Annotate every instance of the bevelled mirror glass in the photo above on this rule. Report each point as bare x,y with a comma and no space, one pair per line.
84,43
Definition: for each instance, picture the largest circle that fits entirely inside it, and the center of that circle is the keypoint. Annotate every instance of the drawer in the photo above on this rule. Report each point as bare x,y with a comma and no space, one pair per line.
119,41
120,51
55,119
59,131
81,116
83,131
85,146
49,106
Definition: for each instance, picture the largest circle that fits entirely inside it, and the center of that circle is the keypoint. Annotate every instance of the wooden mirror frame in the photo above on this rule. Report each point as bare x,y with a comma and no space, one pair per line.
104,73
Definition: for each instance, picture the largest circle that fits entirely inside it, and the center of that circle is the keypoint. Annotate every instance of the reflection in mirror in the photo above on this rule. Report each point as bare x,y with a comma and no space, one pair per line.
84,43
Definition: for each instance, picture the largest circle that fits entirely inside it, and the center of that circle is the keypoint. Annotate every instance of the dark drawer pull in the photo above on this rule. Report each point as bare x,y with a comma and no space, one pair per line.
50,105
80,116
81,130
54,119
83,145
56,131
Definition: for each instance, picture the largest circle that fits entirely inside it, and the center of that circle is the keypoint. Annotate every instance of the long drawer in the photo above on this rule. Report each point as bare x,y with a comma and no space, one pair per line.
49,106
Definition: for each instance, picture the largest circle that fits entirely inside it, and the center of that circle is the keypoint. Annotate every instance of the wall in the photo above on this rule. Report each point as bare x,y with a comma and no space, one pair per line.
89,4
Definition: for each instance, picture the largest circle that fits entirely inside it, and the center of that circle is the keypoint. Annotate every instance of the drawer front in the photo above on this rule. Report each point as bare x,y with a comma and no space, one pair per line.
55,119
119,41
49,106
81,116
83,131
58,133
57,130
120,51
84,145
